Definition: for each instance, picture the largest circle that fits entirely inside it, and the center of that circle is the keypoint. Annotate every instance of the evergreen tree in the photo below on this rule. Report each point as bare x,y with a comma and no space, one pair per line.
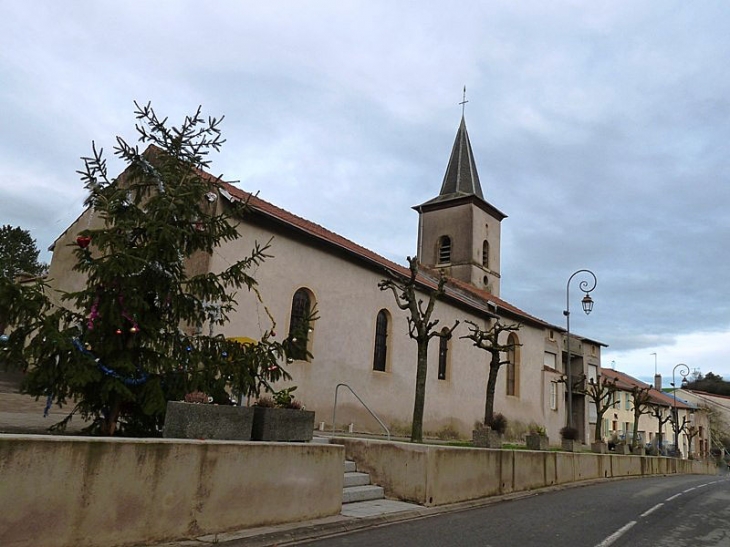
18,253
133,337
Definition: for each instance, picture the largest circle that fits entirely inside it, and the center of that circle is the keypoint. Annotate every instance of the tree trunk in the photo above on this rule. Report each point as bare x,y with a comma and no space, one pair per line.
599,426
491,386
635,440
420,399
109,424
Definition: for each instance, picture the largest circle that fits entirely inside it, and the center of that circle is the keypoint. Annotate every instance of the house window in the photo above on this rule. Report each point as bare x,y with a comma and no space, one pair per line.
485,254
299,326
553,395
627,402
550,360
513,358
592,414
443,353
381,341
444,250
592,373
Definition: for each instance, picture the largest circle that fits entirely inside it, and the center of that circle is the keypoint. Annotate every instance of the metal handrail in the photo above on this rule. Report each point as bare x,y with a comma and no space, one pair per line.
334,410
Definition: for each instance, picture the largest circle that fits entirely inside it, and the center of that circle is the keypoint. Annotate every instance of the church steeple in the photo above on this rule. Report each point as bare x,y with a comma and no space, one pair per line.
458,230
461,178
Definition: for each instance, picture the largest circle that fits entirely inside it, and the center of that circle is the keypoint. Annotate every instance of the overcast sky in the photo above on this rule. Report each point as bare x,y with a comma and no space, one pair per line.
599,127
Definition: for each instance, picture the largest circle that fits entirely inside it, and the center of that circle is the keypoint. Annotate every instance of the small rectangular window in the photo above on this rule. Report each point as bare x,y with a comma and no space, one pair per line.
553,395
443,356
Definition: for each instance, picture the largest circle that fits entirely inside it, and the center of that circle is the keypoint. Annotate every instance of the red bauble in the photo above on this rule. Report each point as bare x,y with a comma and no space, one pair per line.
83,241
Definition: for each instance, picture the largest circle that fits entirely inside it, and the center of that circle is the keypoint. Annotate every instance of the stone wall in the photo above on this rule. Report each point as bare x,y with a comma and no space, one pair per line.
437,475
76,491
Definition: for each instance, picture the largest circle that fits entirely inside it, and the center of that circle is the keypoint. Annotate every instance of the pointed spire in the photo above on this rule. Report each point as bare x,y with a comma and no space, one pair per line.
461,176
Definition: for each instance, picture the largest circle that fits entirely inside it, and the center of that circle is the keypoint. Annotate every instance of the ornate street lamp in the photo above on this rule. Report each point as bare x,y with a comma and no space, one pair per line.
683,372
587,303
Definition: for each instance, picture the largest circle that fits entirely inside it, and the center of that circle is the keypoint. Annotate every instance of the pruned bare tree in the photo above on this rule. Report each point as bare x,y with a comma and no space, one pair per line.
658,412
488,340
420,328
601,392
692,432
642,405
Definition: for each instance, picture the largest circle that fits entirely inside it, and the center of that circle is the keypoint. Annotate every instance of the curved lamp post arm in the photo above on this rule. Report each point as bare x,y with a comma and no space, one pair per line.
683,372
586,285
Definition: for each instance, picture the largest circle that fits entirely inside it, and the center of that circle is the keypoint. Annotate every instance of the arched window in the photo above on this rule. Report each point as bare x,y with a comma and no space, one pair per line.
513,365
380,354
443,353
444,250
485,254
299,325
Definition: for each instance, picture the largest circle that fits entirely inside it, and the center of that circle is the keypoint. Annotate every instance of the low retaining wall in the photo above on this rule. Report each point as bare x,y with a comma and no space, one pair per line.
437,475
64,491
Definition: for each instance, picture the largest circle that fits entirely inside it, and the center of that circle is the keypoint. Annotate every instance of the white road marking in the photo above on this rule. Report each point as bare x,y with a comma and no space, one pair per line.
649,511
617,534
688,490
673,497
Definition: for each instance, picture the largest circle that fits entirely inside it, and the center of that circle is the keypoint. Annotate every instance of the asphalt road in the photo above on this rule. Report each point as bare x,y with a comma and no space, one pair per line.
675,511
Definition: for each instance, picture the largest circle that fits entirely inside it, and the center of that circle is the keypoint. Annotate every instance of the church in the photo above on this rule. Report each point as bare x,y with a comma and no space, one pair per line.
361,339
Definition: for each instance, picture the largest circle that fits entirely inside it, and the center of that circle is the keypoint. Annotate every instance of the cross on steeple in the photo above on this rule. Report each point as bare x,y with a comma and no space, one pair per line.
463,103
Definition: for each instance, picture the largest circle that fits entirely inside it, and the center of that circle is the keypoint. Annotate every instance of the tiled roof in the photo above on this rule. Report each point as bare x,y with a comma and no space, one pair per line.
476,299
457,291
627,383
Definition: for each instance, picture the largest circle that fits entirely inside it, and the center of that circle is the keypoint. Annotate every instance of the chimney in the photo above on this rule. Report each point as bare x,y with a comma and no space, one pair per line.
658,382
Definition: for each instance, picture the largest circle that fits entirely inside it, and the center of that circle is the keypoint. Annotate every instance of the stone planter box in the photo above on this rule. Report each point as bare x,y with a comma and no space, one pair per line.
537,442
486,438
639,451
599,447
570,445
282,424
201,421
623,449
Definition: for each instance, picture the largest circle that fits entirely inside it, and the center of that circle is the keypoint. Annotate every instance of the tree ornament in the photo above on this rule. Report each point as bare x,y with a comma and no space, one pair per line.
83,241
4,338
134,330
119,331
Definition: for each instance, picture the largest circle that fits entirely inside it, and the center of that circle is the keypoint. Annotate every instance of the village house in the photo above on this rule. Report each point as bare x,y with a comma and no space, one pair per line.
361,336
618,424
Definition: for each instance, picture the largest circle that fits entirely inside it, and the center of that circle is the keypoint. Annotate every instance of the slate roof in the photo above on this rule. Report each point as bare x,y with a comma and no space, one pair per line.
461,180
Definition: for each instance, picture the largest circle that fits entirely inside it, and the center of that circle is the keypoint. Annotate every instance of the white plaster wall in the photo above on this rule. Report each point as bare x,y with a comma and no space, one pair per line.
348,301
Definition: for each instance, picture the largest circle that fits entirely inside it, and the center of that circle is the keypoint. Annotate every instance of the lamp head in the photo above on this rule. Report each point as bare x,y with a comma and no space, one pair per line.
587,303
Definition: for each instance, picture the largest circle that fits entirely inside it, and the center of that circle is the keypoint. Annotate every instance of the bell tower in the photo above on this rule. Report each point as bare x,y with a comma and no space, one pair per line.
458,230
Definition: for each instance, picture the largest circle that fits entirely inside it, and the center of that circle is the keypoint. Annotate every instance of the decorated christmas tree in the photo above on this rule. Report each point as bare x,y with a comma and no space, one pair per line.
139,333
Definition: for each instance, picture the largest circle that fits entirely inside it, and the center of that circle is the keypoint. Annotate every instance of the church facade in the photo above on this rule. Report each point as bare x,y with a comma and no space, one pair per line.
361,336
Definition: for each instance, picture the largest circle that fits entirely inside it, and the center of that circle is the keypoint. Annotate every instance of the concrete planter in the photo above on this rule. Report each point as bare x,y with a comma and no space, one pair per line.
569,445
201,421
623,449
639,451
282,424
599,447
486,438
536,441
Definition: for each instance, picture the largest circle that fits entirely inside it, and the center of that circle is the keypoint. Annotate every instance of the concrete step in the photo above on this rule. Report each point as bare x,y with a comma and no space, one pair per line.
353,494
356,479
320,440
350,466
